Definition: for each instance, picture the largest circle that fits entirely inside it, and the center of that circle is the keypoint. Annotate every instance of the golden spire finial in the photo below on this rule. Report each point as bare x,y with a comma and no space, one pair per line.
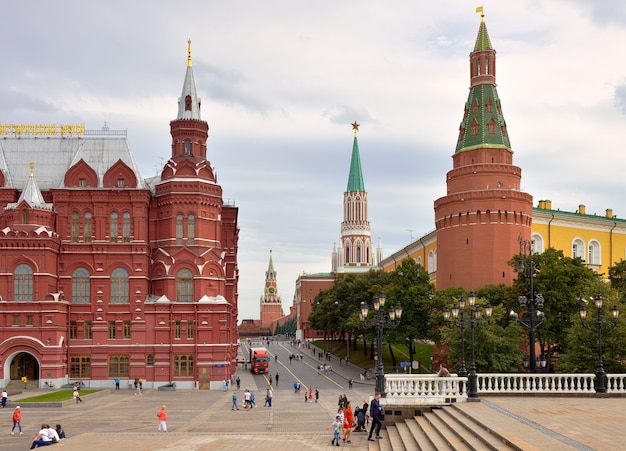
482,14
189,53
32,167
355,127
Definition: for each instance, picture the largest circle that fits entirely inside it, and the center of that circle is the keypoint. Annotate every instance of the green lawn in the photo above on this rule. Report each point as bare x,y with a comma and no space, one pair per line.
56,396
423,353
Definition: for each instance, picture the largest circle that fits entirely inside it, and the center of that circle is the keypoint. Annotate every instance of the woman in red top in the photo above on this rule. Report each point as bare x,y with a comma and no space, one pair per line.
348,422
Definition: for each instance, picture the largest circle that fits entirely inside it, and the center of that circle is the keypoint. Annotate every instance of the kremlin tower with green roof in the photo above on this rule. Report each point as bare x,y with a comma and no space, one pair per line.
355,247
484,215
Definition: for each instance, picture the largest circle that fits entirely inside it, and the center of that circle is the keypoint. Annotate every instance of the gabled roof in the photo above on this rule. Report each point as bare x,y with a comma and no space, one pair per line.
59,153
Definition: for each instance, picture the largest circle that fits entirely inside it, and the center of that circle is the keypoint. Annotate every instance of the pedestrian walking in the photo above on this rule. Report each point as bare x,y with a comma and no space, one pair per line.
162,416
335,426
348,422
77,396
376,412
246,399
235,406
270,379
317,394
117,383
311,394
350,384
5,395
252,399
276,379
268,397
238,382
17,420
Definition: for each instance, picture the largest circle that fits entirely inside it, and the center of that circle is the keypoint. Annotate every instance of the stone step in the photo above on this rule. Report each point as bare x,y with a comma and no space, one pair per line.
473,435
479,436
436,440
393,438
516,434
410,444
420,437
447,433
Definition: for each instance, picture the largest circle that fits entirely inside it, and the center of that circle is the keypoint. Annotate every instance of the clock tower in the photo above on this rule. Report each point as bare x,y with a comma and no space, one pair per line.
271,304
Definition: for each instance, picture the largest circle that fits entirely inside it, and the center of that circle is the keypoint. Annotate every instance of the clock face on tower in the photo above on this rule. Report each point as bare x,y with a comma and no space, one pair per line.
271,290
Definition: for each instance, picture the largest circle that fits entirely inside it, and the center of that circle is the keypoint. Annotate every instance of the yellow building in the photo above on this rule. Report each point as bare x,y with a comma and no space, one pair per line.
599,240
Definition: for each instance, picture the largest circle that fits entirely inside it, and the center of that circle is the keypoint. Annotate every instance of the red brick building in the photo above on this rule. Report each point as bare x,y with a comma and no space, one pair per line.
106,274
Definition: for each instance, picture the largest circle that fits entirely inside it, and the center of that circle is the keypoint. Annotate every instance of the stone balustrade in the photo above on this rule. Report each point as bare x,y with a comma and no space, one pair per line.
427,389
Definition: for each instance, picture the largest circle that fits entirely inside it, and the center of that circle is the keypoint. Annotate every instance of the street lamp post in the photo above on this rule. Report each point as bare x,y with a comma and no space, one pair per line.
598,301
382,320
475,319
532,303
458,316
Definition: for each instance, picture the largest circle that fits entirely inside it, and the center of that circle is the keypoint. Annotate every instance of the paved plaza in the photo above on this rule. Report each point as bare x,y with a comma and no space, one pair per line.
203,420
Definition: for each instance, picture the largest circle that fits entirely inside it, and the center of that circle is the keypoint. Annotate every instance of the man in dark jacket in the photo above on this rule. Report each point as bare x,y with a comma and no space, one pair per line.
376,412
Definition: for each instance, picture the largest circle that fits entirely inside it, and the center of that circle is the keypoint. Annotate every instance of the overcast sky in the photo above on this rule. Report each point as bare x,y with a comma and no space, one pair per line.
281,81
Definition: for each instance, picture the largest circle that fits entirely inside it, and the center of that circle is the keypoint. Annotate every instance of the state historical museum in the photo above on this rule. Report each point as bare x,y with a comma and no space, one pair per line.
105,274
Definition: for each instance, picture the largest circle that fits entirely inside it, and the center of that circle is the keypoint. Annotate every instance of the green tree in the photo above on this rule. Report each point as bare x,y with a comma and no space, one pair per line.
617,276
410,286
581,344
561,280
496,348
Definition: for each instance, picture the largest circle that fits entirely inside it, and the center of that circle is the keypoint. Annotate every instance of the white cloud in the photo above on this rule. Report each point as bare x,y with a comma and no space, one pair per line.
281,81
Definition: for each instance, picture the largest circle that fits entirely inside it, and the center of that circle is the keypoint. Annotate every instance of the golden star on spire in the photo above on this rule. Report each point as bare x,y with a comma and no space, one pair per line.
355,127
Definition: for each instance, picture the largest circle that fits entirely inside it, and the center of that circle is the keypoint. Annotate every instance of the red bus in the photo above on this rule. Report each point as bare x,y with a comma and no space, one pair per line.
259,360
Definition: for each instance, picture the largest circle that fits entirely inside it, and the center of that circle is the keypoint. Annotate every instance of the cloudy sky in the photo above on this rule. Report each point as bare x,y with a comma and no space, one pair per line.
281,81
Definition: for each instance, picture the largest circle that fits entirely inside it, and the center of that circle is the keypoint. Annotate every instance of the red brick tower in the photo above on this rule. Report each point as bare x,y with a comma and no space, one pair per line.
271,304
481,219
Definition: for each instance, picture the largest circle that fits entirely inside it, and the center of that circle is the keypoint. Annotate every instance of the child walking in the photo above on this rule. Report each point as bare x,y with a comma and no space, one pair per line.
162,416
336,428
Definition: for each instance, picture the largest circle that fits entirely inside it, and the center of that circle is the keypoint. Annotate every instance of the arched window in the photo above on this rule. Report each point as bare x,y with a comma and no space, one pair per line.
119,286
578,249
595,257
184,286
23,283
88,227
113,230
126,227
179,230
191,229
188,103
75,227
358,253
431,262
536,243
80,286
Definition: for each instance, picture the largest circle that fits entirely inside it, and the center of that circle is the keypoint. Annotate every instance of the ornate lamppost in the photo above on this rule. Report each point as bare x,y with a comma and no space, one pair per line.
598,301
475,319
382,320
458,319
532,303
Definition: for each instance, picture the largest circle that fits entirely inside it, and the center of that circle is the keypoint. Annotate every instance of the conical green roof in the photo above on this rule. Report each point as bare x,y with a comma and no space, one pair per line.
482,40
483,123
355,179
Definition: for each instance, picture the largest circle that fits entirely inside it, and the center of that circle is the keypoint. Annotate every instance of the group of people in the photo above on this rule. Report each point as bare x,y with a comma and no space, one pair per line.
47,435
343,425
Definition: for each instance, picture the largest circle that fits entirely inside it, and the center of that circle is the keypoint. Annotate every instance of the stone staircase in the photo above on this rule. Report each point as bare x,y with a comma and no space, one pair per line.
467,426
